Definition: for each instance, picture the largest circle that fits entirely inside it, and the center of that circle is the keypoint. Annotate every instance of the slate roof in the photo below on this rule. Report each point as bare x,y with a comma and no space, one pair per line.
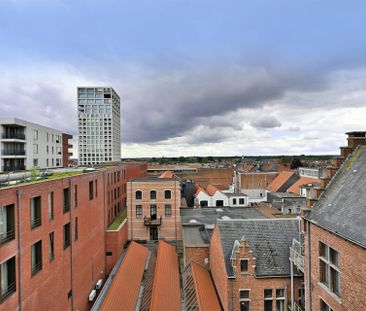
342,207
209,215
269,239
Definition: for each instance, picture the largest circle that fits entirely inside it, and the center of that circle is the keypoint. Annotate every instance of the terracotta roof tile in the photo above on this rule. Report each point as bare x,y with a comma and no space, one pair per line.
166,289
167,174
280,180
211,190
125,288
295,188
205,289
198,189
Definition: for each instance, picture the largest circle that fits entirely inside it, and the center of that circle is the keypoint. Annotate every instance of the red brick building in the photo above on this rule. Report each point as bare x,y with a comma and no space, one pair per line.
249,261
335,235
53,239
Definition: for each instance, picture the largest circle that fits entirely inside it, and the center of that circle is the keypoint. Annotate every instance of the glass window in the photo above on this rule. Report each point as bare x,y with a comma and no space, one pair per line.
167,194
91,190
67,235
138,195
138,211
244,265
7,278
50,206
153,195
52,247
244,300
324,306
36,260
36,217
7,223
329,273
268,293
66,200
168,210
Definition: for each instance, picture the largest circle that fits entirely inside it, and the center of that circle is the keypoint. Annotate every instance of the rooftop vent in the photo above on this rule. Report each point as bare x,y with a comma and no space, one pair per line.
225,218
219,210
193,221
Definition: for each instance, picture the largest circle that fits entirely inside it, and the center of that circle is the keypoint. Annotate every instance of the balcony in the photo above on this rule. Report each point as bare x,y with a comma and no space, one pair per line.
36,222
7,236
13,168
297,255
152,221
36,268
17,136
12,152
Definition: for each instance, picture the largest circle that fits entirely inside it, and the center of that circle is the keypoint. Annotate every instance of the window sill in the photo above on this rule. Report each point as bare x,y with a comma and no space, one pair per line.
333,295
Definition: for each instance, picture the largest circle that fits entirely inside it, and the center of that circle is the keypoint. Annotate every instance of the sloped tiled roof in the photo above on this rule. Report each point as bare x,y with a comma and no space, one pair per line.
205,289
248,167
283,181
342,207
198,189
295,188
167,174
125,288
269,239
166,288
211,190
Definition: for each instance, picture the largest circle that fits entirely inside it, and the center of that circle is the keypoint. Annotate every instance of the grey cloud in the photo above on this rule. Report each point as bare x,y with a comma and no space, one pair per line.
265,122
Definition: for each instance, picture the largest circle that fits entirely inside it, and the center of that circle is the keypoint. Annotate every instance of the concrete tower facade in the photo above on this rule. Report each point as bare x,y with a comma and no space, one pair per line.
99,120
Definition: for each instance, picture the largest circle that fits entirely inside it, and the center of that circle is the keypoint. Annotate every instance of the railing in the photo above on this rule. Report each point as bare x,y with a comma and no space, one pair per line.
13,152
13,136
67,243
66,208
9,290
36,222
149,221
296,307
297,255
36,268
7,236
14,168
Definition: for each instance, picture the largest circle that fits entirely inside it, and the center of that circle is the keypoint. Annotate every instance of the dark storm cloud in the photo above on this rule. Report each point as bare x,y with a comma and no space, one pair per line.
265,122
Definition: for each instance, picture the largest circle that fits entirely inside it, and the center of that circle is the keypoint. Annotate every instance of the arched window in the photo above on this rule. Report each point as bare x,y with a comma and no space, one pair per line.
167,194
152,195
138,195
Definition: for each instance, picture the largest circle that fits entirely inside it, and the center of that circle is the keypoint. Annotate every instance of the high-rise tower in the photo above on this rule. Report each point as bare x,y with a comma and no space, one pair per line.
99,119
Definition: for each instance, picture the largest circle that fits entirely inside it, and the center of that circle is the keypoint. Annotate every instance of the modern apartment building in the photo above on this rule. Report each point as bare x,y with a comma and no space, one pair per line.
55,246
25,145
99,122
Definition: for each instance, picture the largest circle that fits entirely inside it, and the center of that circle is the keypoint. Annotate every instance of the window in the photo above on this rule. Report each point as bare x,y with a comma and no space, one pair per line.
50,206
36,257
329,268
48,149
280,299
203,203
138,211
244,265
36,218
234,201
244,300
241,201
268,300
91,190
35,149
52,246
324,306
75,196
7,223
96,188
219,203
7,279
153,195
76,229
66,200
168,210
167,194
35,162
35,134
66,235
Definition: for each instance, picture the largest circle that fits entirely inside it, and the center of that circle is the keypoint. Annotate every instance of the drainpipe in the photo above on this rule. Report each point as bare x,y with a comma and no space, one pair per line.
309,266
105,222
18,192
131,210
175,213
292,284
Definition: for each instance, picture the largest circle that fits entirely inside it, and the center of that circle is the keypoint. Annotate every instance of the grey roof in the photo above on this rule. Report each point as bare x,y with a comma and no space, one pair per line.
195,235
209,215
269,239
342,207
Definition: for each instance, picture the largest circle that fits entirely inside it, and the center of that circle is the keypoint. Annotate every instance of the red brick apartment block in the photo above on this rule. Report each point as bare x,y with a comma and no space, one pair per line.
153,209
65,149
250,263
53,240
335,235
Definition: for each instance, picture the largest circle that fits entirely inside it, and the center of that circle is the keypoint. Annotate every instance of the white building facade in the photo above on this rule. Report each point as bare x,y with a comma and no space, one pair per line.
99,124
25,145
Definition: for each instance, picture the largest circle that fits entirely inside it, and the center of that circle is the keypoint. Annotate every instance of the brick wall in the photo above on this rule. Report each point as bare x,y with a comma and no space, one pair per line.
197,254
115,241
256,180
219,177
352,272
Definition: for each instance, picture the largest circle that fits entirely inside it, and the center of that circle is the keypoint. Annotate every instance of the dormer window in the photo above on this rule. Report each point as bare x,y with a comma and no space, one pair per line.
244,265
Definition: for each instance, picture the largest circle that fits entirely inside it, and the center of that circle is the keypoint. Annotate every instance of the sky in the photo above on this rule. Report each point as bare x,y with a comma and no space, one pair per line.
195,77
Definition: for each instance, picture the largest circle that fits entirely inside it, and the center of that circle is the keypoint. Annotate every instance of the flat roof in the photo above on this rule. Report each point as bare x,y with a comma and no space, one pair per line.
195,235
